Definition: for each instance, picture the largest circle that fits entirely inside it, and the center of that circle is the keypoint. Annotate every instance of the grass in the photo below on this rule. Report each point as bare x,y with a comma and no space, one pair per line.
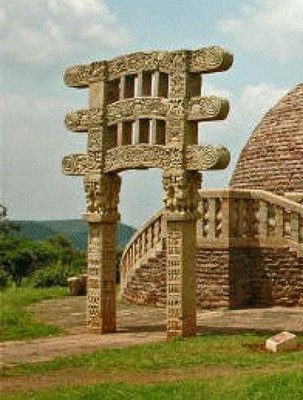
209,350
16,323
282,386
210,366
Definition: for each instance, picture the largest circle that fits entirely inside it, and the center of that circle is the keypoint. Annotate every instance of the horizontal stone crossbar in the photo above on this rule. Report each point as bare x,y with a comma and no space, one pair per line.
204,60
197,158
199,109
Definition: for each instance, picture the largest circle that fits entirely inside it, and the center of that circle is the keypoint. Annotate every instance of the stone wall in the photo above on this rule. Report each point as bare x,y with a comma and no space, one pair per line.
231,278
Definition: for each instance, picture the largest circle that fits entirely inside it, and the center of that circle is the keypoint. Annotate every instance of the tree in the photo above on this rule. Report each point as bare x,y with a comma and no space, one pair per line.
6,226
18,263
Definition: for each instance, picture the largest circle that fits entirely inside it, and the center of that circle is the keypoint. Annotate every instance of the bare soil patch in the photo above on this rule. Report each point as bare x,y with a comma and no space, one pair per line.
80,376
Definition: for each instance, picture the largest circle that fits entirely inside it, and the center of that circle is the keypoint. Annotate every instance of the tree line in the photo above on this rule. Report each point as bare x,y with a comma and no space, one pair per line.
45,263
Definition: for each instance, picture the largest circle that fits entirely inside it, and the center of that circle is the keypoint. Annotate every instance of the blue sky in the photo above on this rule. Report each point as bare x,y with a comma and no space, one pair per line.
40,41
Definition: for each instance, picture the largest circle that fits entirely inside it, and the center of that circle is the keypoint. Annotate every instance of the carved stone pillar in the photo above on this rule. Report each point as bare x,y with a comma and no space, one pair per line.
102,216
181,205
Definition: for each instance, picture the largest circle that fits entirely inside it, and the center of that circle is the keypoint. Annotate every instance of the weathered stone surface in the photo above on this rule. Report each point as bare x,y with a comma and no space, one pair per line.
226,277
272,158
281,341
250,250
142,156
204,60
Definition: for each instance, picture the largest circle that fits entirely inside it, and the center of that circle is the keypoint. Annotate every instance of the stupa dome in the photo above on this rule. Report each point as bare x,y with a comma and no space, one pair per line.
272,159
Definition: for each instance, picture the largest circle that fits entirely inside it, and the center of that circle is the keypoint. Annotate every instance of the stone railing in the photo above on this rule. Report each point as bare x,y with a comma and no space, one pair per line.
229,217
147,240
249,218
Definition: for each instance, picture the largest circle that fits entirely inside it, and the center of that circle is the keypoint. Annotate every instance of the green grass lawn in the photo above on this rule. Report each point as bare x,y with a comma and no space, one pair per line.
284,386
238,371
236,351
16,323
210,366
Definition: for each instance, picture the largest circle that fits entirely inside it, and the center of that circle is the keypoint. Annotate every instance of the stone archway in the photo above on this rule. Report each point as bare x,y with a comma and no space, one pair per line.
144,110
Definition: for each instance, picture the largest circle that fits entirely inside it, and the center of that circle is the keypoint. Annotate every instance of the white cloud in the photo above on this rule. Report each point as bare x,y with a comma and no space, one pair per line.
273,27
46,31
34,142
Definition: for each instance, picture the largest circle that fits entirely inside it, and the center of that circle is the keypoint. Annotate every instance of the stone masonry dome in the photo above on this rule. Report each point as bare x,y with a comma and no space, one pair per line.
272,159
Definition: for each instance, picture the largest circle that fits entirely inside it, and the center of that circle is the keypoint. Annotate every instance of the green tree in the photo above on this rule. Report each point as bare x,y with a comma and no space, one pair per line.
6,226
18,264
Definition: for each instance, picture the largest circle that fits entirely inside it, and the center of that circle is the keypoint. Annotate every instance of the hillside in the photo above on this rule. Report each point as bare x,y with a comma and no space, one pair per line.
73,229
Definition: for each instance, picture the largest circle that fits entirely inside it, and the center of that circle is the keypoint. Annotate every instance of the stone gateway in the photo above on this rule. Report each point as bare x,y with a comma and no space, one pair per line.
143,112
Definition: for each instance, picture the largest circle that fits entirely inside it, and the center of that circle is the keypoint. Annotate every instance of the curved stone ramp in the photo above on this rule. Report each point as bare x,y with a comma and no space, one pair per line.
250,251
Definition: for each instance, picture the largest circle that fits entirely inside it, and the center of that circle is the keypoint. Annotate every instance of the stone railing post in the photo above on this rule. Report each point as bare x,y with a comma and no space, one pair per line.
263,219
295,228
225,217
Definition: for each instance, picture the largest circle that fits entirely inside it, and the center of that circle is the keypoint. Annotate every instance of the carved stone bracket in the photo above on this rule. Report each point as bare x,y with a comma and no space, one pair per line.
102,194
181,194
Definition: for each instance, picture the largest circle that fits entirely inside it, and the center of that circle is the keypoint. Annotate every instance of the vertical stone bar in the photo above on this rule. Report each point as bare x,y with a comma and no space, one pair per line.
225,218
295,228
124,133
120,134
212,218
241,222
136,132
263,219
279,223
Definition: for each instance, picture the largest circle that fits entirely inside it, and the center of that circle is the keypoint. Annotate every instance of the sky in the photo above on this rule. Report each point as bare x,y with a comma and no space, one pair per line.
41,38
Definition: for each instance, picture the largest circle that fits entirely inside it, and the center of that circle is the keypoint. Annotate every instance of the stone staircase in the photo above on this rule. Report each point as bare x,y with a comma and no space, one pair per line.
250,252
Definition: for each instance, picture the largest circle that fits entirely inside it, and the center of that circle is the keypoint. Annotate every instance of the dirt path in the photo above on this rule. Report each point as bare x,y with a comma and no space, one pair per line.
136,325
77,376
21,352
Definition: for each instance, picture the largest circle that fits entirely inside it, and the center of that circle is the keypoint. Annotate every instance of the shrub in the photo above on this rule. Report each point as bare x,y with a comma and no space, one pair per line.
54,275
3,279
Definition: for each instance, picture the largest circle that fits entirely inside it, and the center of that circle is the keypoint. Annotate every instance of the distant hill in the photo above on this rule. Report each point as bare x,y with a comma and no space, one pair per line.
74,229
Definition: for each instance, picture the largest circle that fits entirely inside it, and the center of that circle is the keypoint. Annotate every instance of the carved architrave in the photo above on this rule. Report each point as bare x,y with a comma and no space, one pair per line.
204,60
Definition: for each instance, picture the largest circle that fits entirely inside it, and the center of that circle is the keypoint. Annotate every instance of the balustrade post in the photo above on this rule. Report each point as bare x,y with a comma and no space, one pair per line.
294,224
263,219
211,218
225,218
278,231
241,222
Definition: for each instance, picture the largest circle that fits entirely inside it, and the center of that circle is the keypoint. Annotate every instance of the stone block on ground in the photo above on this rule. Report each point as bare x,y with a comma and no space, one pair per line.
281,341
76,286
